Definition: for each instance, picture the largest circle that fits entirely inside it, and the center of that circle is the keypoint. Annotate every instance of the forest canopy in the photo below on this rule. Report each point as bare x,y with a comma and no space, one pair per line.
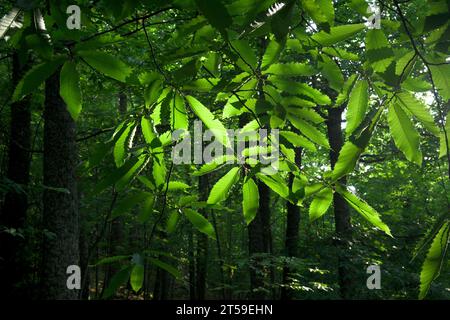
224,149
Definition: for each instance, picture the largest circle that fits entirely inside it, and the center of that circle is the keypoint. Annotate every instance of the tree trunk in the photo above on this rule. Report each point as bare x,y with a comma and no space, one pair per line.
341,211
116,234
60,216
13,213
202,245
292,238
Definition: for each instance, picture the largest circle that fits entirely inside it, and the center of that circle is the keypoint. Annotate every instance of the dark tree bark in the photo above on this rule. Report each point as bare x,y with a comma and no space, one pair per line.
343,225
60,216
191,254
292,237
13,212
116,234
202,245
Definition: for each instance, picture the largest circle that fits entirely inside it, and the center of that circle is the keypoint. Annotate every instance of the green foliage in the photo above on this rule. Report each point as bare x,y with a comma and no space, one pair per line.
434,259
220,190
200,222
70,88
107,64
250,200
320,204
35,77
404,134
357,105
369,213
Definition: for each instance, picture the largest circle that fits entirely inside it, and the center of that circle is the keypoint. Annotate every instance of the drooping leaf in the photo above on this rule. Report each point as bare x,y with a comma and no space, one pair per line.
70,88
348,156
200,222
208,119
419,110
300,89
121,145
404,134
331,72
321,11
276,183
172,221
357,106
337,34
250,200
247,60
35,77
165,266
178,115
220,190
309,131
297,140
434,259
214,164
320,204
107,64
369,213
444,138
290,69
272,53
120,278
137,277
441,77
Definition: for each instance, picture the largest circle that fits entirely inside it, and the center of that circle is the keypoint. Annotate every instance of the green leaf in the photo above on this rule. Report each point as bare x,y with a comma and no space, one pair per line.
250,200
321,11
208,119
146,210
332,73
369,213
441,74
107,64
378,51
434,259
276,183
309,131
178,114
200,222
320,204
297,140
69,88
128,176
109,260
125,205
172,221
444,139
152,92
348,156
165,266
290,69
357,105
247,60
343,95
337,34
35,77
214,165
137,277
220,190
120,146
300,89
120,278
216,14
147,130
419,110
272,53
404,134
177,185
